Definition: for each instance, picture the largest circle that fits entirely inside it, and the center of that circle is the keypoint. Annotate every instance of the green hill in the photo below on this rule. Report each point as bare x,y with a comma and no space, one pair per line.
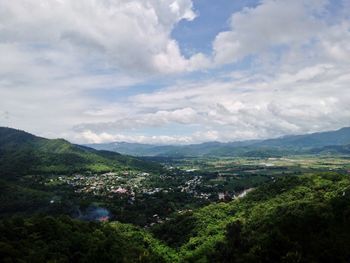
294,219
23,153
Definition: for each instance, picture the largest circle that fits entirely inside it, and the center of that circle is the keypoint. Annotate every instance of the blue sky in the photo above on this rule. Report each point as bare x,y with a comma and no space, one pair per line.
174,71
213,17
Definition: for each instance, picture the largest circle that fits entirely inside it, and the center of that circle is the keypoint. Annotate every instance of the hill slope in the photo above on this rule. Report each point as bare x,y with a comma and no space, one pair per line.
294,219
23,153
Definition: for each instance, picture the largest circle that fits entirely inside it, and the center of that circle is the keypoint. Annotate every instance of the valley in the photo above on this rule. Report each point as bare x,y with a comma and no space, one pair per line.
174,209
174,131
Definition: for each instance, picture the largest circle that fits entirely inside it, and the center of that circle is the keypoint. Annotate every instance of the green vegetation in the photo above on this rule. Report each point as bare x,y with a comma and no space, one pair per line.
22,153
233,209
294,219
48,239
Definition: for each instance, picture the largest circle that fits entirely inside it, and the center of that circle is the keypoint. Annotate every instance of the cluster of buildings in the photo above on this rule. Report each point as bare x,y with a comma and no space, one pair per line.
129,183
107,184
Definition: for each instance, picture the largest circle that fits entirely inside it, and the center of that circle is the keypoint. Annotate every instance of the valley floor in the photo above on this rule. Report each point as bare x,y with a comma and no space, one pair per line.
291,209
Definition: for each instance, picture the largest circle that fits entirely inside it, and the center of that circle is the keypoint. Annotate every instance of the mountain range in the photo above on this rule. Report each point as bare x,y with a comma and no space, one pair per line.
315,143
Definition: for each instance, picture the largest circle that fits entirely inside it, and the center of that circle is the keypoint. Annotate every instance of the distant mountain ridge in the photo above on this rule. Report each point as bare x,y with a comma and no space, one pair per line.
318,139
23,153
313,143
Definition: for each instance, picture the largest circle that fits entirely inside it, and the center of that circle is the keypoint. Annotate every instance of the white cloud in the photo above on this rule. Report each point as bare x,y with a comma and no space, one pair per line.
56,58
336,42
270,24
91,137
310,99
132,36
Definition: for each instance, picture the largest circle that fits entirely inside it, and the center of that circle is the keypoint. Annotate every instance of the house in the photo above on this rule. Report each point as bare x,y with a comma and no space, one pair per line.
221,196
120,190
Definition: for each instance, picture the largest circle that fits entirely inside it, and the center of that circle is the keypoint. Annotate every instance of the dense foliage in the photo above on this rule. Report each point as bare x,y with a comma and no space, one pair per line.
296,213
294,219
48,239
307,226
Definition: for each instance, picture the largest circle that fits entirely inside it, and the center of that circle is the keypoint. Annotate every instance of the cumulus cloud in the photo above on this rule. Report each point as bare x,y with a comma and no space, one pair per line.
132,36
92,137
270,24
128,120
57,58
310,99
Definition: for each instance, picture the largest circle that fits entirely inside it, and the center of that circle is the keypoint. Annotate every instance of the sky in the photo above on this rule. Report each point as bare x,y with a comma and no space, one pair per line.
174,71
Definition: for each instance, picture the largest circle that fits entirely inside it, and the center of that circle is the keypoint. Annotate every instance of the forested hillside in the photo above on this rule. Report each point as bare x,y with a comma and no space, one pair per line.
298,213
294,219
23,153
48,239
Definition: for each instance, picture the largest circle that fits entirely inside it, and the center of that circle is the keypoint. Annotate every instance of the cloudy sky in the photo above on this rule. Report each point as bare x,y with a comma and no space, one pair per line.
174,71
